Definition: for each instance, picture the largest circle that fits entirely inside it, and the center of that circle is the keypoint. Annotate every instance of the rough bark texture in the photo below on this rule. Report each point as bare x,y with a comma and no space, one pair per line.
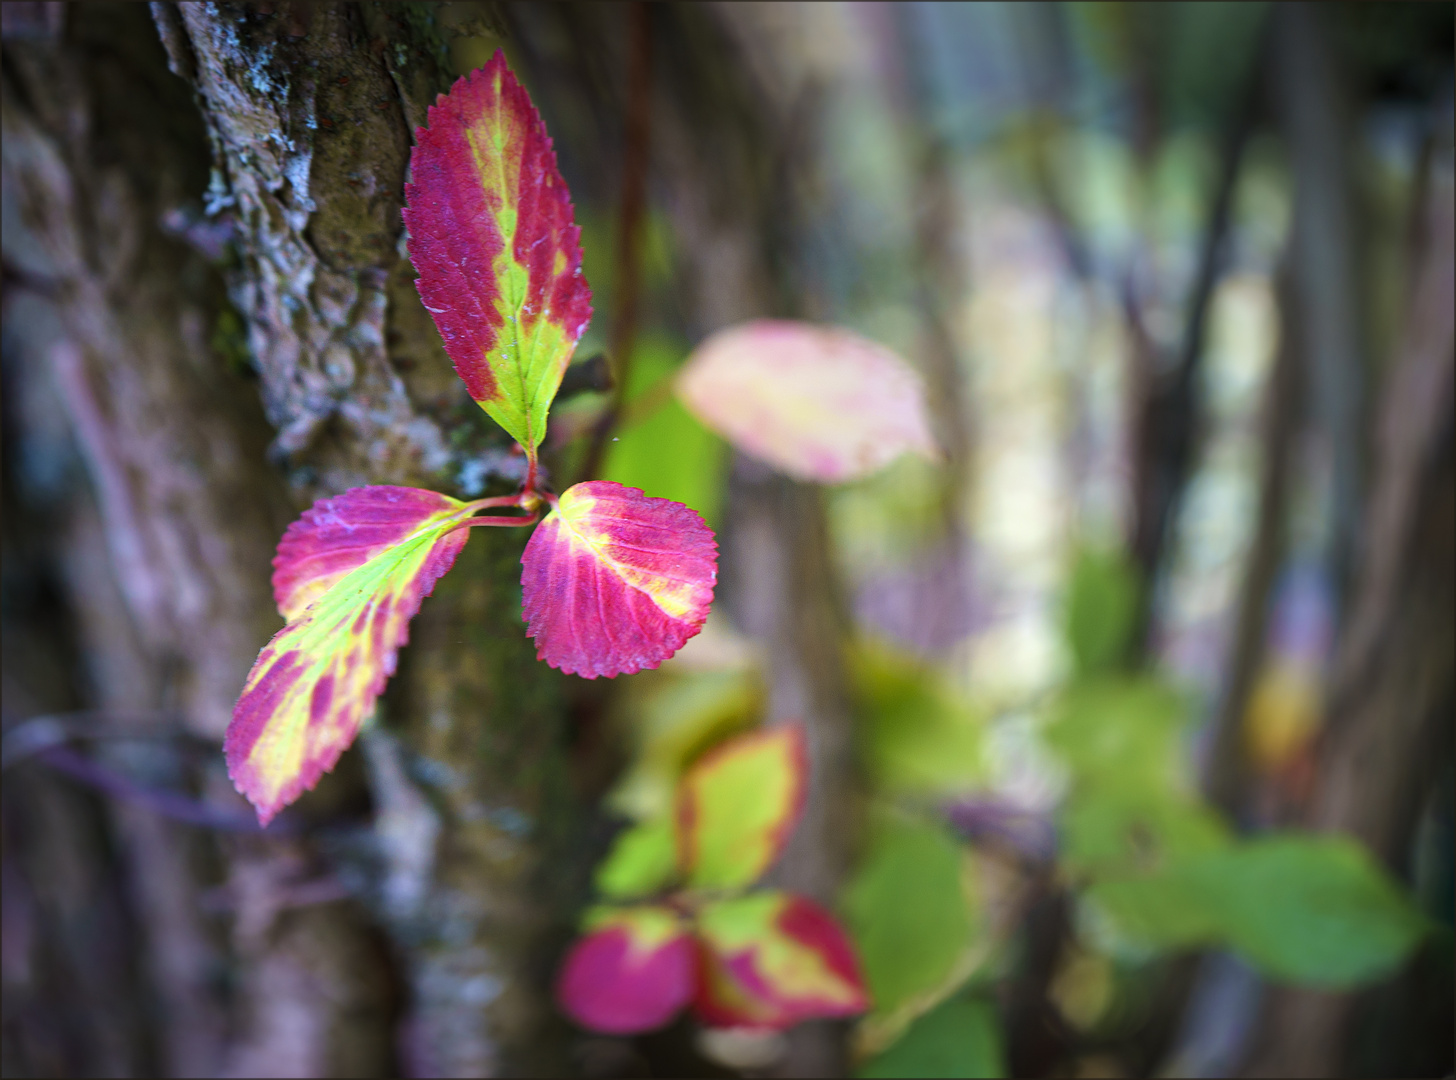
148,326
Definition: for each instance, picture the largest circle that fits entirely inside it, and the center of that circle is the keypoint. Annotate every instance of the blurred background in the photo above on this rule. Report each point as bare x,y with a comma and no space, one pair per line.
1131,720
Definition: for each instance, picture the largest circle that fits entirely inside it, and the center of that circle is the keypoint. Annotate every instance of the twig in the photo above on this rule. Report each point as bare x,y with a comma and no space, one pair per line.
24,739
629,221
1171,409
169,804
1225,773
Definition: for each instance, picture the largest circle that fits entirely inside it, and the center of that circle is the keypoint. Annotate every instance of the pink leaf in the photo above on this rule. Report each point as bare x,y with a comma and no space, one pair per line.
631,973
772,960
498,254
349,606
335,537
818,403
614,581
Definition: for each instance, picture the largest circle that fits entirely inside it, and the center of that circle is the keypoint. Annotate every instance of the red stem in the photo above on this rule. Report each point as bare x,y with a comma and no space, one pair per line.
530,519
518,499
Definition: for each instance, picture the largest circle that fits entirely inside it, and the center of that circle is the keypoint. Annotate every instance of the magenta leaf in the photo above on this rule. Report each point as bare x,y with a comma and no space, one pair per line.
614,581
351,574
631,972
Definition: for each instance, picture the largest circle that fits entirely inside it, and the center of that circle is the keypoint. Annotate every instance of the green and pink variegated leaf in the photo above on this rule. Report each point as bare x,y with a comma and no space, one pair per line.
771,960
350,575
498,254
335,537
817,403
632,971
614,581
738,805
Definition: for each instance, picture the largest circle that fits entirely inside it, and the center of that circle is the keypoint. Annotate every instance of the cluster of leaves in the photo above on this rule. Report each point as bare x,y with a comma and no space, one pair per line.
823,405
1158,869
613,581
761,959
1153,868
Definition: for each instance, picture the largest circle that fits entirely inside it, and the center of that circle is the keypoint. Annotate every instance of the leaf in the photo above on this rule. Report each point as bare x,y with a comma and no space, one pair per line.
633,970
1121,732
316,681
738,805
1306,909
1101,605
958,1038
818,403
915,734
498,255
1310,909
908,910
642,860
771,960
1113,829
335,537
614,581
675,718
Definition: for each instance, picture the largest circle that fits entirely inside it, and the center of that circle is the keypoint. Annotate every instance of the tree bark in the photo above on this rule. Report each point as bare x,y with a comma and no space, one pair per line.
155,326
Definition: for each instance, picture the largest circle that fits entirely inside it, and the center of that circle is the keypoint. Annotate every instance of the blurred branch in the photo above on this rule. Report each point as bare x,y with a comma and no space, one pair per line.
1164,395
44,739
939,285
1309,94
1388,711
1169,410
629,230
24,739
170,804
1225,773
940,271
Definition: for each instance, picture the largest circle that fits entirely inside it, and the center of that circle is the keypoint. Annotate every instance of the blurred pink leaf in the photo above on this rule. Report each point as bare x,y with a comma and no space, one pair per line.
818,403
772,960
631,972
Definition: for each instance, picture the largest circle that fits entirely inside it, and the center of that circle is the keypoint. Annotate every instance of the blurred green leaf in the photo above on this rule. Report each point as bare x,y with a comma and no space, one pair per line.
1101,604
643,859
915,735
958,1038
738,805
676,716
666,453
1117,830
1160,911
1121,733
907,909
1311,909
1308,909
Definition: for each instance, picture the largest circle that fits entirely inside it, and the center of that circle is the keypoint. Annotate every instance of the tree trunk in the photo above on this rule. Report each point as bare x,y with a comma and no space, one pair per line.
143,331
